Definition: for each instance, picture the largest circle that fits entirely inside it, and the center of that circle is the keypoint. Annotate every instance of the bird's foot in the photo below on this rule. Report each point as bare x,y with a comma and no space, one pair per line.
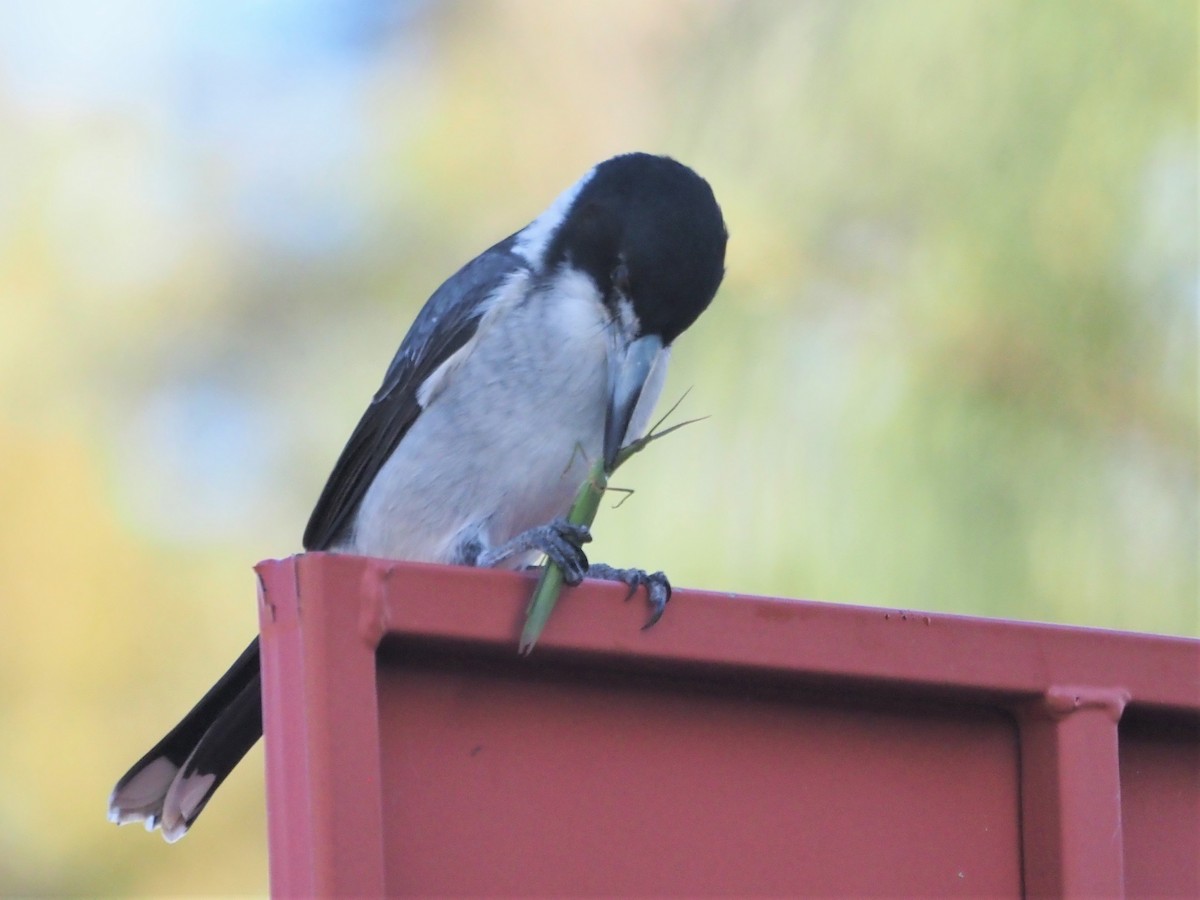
658,588
559,540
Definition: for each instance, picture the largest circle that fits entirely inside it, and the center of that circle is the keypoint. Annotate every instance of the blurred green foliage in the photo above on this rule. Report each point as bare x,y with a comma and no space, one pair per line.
953,367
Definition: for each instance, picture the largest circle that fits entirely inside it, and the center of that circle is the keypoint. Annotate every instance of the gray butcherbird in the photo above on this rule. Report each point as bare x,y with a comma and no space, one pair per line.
543,352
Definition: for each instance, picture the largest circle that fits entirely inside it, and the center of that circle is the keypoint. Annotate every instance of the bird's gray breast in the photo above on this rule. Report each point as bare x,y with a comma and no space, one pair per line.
508,428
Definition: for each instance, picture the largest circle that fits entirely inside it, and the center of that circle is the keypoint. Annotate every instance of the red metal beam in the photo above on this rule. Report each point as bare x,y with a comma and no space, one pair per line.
1064,689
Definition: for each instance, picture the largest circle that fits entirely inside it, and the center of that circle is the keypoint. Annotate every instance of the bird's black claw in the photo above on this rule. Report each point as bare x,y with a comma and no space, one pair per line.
560,541
658,588
576,534
658,592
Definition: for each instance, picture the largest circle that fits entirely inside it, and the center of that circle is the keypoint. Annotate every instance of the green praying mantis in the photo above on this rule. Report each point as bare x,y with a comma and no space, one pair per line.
583,512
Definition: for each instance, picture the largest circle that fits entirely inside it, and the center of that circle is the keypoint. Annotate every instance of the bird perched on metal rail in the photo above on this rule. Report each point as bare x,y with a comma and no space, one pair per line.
543,352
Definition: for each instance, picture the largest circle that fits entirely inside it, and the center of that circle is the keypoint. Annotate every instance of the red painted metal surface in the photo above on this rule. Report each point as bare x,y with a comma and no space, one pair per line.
743,745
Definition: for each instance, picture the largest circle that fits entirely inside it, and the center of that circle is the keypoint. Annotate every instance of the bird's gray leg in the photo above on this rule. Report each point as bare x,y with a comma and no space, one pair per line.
658,588
559,540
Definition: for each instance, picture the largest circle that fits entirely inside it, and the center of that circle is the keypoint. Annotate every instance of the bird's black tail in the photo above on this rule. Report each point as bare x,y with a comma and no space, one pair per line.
169,786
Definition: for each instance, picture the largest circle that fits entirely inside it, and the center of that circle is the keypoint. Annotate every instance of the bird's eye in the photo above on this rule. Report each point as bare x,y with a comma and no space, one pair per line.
620,278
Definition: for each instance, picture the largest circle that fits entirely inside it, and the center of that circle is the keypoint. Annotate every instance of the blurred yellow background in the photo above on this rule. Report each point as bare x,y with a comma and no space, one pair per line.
953,366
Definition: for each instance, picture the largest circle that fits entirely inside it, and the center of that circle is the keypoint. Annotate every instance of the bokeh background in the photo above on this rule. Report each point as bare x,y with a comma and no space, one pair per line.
953,366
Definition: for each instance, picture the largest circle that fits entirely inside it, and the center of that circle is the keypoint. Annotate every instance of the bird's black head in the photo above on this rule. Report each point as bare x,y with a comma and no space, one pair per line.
647,230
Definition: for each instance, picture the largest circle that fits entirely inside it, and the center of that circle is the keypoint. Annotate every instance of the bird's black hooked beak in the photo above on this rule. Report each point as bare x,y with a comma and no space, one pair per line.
627,376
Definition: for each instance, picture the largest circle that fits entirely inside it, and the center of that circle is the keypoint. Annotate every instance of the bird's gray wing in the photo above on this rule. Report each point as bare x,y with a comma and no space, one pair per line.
446,322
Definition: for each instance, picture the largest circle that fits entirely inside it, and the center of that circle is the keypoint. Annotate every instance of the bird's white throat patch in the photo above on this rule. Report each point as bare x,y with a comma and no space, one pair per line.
535,237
